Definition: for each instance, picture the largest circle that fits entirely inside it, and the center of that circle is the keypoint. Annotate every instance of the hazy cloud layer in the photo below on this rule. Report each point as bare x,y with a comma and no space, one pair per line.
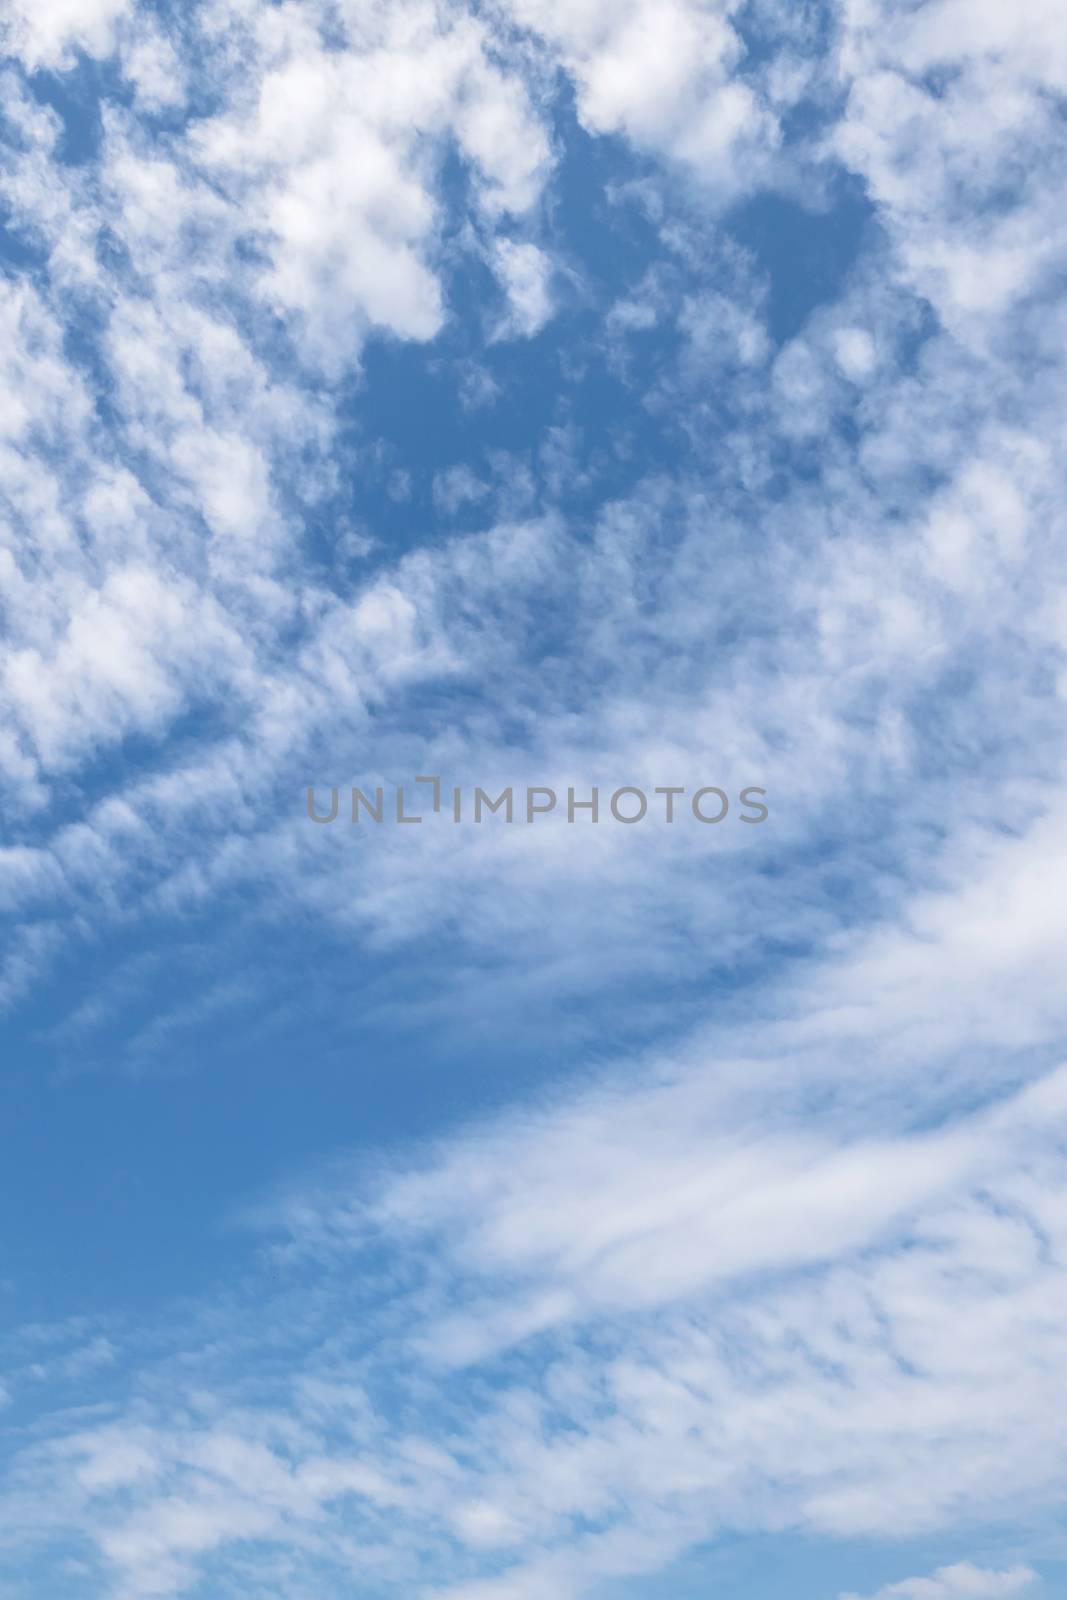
404,389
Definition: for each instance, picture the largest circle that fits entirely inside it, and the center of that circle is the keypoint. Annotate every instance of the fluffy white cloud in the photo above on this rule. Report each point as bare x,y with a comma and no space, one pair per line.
964,1581
663,75
332,156
48,36
525,272
725,1288
686,1310
951,121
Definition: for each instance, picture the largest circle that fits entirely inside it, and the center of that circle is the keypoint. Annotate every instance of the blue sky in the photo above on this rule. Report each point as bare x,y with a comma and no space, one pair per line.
586,394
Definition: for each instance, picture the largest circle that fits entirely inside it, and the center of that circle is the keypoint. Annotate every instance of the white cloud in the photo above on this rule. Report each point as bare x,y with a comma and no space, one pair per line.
154,67
351,241
456,488
822,1384
856,354
119,664
967,175
724,1287
962,1582
48,36
525,272
663,75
